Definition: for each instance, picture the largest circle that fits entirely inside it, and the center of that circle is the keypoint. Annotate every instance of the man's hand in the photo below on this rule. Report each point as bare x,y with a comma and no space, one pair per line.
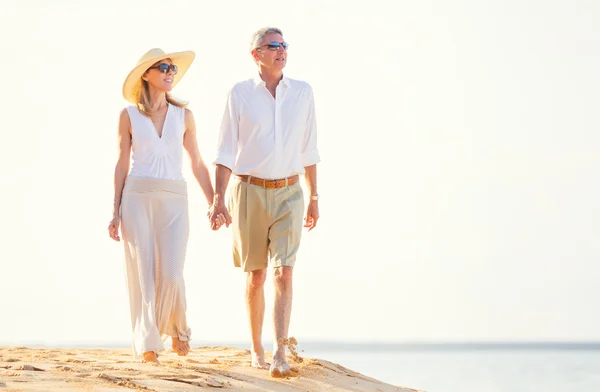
312,215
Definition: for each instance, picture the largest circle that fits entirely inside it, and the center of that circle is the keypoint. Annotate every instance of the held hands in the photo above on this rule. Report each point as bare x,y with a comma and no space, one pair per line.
312,215
113,228
218,215
216,223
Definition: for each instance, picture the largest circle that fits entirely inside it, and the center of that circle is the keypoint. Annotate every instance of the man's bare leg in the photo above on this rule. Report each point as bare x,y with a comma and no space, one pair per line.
181,347
255,303
281,319
150,357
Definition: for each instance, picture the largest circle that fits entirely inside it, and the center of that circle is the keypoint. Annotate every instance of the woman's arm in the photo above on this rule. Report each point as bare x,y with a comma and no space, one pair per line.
190,143
121,170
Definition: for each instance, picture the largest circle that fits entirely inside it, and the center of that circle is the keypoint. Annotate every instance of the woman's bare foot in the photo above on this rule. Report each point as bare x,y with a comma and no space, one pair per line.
182,348
150,357
258,360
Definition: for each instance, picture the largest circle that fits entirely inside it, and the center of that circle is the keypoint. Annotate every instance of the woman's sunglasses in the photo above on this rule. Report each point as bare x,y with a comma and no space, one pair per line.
275,45
164,67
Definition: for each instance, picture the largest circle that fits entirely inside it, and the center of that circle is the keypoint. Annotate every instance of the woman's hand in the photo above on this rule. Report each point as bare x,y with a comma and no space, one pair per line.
219,221
113,228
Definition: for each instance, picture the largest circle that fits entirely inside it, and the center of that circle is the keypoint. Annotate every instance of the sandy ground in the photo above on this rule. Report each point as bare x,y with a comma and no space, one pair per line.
218,368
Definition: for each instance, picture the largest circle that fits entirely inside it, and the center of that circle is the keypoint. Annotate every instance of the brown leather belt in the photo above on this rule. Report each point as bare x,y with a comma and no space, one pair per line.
269,184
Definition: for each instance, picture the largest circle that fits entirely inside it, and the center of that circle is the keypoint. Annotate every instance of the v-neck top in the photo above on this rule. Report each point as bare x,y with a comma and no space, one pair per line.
154,156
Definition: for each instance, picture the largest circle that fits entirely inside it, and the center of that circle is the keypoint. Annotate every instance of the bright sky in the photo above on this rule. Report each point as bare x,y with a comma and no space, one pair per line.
459,179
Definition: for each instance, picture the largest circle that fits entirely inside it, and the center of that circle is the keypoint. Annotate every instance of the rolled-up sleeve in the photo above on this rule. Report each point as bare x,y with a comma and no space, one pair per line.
228,135
310,153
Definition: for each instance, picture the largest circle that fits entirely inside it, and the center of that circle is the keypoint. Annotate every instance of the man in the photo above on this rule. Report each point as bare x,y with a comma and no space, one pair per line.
268,139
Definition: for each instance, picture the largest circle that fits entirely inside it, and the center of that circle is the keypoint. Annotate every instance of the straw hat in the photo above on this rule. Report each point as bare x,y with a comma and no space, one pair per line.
133,81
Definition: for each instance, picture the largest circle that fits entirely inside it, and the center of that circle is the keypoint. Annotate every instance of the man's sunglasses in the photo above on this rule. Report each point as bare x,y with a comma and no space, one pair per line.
275,45
164,67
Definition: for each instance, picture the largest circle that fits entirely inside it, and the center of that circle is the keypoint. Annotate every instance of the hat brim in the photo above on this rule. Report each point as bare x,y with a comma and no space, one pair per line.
133,81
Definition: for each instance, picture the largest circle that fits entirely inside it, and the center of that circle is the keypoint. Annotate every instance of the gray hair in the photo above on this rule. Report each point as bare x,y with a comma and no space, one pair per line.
258,36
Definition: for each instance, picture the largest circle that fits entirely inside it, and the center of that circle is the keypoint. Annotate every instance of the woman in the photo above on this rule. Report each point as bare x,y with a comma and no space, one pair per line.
151,203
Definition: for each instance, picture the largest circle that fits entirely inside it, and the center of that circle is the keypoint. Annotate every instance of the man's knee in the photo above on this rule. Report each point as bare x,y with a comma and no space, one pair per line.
256,279
283,276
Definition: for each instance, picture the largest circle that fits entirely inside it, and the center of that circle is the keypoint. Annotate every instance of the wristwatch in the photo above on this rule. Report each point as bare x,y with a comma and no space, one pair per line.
314,197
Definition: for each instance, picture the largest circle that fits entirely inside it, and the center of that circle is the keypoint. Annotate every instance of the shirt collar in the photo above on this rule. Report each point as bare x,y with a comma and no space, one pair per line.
259,82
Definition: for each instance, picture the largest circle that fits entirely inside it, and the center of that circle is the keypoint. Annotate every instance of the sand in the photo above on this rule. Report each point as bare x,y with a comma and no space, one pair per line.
214,368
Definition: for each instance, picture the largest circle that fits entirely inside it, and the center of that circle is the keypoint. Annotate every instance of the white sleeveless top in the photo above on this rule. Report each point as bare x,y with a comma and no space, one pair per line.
154,156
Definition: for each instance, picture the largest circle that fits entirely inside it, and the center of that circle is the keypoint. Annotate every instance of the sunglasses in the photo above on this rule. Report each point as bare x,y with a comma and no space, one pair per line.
275,45
164,67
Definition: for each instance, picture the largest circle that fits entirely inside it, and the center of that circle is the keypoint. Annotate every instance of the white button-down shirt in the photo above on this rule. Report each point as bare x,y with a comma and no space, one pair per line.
267,137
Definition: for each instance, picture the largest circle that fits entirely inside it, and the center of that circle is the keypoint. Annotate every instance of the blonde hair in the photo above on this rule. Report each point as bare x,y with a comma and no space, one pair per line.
142,99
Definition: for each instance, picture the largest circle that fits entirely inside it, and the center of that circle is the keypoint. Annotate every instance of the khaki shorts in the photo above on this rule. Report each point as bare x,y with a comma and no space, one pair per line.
267,224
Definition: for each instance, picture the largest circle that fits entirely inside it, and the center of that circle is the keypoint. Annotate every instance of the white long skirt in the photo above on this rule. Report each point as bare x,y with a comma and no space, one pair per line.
155,230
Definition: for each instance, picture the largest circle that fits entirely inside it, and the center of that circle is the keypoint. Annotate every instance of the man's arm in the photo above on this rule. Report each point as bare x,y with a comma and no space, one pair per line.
222,175
310,176
310,158
225,161
310,152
